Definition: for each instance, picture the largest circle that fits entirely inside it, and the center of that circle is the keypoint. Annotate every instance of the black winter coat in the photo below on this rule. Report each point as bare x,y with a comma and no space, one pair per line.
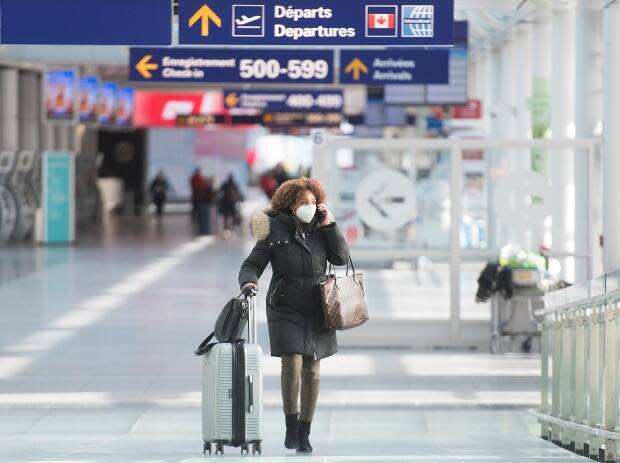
294,309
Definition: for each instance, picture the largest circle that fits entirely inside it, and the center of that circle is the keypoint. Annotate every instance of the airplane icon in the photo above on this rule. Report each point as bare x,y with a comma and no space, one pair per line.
248,20
244,21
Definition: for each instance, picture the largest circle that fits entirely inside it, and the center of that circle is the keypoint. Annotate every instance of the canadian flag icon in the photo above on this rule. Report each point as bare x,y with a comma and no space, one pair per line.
381,21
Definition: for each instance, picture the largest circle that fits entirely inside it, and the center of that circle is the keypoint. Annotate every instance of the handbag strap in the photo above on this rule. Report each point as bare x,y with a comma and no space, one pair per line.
352,266
331,267
204,346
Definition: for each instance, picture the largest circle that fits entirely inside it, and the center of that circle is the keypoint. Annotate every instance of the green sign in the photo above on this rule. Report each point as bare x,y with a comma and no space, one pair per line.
58,197
540,106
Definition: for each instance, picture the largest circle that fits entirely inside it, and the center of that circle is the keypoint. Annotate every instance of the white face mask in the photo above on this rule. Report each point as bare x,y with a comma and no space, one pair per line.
306,213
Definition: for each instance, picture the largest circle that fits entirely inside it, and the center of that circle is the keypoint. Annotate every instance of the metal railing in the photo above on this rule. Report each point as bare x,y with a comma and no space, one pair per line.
580,353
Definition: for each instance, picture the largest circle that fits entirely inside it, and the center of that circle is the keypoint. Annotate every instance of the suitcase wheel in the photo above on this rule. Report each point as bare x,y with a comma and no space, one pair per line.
245,448
256,448
219,449
206,448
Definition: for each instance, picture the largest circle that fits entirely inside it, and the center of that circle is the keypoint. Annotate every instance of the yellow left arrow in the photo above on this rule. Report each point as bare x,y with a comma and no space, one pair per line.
144,67
206,15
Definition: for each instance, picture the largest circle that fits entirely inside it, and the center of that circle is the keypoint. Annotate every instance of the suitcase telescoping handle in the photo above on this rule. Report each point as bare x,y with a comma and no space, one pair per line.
250,295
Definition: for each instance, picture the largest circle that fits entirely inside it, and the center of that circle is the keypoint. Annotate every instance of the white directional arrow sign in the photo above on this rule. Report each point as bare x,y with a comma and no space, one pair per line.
386,200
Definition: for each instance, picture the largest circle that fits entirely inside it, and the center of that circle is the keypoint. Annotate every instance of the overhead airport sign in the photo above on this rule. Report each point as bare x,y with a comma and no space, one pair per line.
317,22
199,120
283,101
303,119
380,67
189,65
86,22
270,119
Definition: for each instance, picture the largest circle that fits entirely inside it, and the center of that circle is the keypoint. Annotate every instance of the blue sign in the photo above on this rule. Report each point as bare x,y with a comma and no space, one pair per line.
87,102
284,101
58,197
60,89
405,66
86,22
317,22
187,65
125,105
107,103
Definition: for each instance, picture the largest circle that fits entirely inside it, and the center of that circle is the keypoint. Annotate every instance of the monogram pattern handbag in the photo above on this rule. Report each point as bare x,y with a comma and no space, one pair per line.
343,301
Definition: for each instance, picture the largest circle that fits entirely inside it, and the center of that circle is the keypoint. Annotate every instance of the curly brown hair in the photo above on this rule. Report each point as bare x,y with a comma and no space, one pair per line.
291,190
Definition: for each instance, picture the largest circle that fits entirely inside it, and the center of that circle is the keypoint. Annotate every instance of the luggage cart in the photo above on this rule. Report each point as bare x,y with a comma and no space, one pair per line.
515,316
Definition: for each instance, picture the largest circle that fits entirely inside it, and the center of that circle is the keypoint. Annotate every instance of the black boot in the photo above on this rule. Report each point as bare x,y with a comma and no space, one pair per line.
304,437
292,430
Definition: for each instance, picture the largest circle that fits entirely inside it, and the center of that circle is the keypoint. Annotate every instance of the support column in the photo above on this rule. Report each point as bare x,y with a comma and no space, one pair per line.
588,118
508,120
494,109
527,234
72,138
540,102
523,90
9,109
611,137
473,71
61,137
496,92
30,111
486,89
48,137
563,127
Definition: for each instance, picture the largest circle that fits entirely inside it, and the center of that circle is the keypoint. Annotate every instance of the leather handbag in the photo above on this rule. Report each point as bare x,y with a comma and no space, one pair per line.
229,325
232,320
343,301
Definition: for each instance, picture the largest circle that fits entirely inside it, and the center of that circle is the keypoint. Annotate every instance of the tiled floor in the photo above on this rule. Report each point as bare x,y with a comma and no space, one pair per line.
96,365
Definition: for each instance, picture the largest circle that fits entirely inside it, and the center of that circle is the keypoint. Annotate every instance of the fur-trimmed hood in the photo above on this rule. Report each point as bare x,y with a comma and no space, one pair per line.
261,224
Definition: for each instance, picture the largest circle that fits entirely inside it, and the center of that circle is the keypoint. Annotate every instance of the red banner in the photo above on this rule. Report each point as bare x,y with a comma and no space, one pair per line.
160,109
472,110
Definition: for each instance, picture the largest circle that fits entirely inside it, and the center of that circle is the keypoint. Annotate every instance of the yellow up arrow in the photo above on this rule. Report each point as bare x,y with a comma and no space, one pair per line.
145,68
356,67
205,14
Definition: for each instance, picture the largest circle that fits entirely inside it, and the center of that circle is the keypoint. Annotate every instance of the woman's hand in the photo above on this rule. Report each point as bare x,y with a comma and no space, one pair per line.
249,288
328,218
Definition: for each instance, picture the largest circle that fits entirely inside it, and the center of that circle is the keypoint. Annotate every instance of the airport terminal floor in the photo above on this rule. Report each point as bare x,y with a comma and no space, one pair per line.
97,365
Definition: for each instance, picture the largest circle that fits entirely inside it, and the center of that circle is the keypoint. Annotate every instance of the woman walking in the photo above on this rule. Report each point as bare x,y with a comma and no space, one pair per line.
298,236
230,196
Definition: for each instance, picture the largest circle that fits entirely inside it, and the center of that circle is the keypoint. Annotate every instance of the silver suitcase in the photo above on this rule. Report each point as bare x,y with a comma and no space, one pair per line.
232,393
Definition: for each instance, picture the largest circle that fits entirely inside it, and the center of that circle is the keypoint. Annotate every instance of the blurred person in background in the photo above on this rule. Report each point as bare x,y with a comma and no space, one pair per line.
197,183
272,179
205,195
229,198
280,174
268,183
159,192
